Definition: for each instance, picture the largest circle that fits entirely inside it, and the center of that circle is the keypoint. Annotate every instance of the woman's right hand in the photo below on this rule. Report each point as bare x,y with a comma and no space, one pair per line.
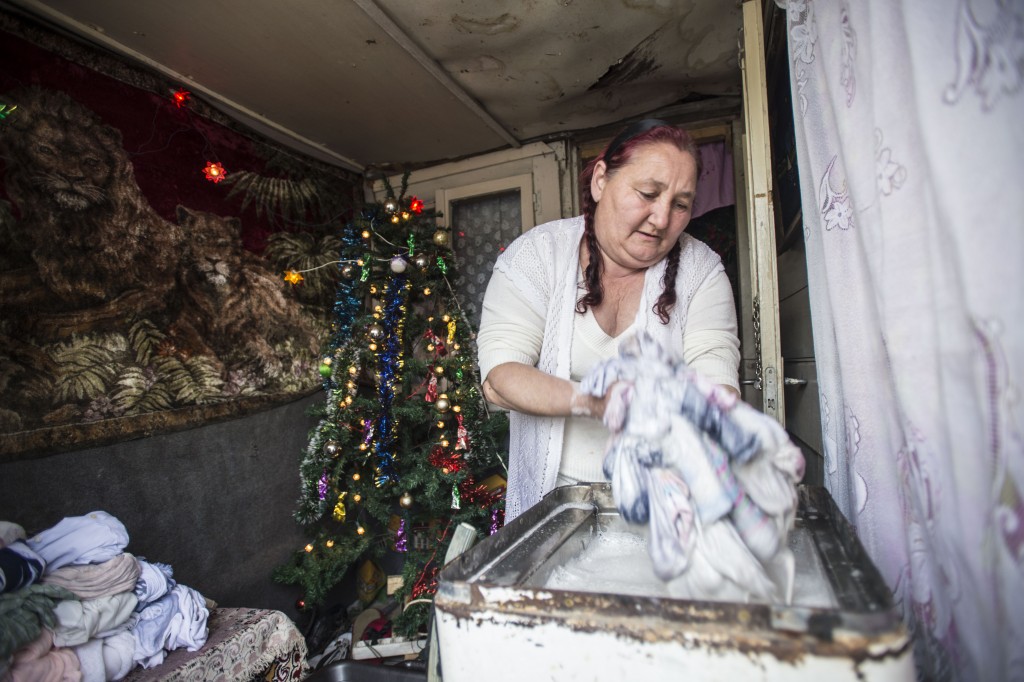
526,389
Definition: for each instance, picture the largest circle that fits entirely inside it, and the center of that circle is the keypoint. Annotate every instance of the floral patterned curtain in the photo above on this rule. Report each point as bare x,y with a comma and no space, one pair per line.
910,139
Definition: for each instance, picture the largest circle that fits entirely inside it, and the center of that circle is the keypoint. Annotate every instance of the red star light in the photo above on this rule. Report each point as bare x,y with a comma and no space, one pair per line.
181,97
214,172
416,205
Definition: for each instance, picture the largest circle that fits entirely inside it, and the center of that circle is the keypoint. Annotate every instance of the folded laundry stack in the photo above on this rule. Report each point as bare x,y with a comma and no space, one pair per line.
75,606
713,479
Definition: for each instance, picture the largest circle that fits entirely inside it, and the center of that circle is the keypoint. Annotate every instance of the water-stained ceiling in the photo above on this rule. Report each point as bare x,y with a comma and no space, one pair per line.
366,83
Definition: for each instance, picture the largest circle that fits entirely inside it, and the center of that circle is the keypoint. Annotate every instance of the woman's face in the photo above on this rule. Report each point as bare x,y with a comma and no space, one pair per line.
643,207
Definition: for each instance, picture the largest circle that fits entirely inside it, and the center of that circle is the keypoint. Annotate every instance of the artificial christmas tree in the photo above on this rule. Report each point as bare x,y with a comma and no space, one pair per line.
405,443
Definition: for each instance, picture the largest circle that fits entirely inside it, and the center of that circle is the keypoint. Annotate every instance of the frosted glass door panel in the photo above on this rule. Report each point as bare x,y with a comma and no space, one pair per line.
482,226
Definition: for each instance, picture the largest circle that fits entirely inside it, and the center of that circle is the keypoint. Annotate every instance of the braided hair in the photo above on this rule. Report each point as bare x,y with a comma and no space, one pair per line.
616,155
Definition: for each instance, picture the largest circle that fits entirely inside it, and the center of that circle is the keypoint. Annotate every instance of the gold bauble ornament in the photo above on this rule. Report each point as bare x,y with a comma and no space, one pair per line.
347,271
375,331
405,500
442,403
441,238
421,261
390,205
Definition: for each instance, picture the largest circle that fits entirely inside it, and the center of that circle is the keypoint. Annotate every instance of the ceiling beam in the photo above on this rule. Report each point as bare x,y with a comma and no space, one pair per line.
430,64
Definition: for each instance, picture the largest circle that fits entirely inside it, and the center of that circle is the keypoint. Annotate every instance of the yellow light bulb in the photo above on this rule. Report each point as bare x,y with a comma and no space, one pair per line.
445,318
444,443
440,424
426,291
355,476
363,446
366,234
373,346
348,400
309,547
357,498
352,371
456,408
360,530
330,543
359,262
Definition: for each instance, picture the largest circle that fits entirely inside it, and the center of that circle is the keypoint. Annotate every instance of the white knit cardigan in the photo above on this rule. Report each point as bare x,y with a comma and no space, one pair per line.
543,265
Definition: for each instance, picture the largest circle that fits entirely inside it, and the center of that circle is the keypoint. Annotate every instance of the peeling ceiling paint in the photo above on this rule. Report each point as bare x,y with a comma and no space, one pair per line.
374,82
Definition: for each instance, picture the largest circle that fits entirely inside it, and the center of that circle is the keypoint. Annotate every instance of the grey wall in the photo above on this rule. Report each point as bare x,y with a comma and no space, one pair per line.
215,502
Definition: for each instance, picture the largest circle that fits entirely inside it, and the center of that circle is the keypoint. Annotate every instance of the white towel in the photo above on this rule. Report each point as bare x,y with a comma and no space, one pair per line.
90,539
155,580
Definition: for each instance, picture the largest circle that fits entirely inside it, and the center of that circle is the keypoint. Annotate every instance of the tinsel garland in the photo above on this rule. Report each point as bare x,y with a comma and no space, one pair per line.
389,362
346,303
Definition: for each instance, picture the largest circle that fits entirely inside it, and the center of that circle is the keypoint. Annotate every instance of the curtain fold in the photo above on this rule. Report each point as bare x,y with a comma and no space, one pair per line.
910,142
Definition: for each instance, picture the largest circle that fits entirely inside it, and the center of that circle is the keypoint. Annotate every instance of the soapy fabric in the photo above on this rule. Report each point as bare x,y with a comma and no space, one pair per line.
713,479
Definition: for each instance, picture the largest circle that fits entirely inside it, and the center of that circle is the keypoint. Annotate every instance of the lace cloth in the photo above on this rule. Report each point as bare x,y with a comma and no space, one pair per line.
242,644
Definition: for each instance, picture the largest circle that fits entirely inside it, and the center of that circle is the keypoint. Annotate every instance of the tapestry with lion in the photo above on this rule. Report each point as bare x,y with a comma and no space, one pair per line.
118,301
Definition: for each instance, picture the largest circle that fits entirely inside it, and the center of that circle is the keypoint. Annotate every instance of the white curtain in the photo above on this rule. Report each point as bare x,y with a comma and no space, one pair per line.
909,121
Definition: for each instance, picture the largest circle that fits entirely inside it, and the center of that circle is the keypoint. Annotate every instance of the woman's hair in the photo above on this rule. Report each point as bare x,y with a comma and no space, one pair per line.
616,155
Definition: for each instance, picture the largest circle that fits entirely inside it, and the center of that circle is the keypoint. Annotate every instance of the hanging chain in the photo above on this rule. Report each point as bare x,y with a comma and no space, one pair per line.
757,343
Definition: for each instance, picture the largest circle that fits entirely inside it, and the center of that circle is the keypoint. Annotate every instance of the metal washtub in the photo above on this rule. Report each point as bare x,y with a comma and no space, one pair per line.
507,606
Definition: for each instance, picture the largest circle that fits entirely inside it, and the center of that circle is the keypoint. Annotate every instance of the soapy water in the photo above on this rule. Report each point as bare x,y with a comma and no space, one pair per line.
617,562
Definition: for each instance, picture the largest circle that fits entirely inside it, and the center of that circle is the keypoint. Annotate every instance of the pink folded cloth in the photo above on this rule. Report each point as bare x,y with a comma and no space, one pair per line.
91,581
39,661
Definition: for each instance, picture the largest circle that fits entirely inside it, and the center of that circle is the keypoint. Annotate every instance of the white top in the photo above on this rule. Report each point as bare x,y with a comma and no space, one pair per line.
529,317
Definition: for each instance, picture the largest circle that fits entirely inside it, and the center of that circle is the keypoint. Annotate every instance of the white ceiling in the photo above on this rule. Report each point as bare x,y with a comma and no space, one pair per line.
371,83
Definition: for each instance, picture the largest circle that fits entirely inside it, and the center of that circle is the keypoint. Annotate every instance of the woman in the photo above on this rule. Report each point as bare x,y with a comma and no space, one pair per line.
564,294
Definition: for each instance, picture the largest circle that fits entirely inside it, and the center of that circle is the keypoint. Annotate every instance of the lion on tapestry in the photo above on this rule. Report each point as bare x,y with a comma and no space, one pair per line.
109,309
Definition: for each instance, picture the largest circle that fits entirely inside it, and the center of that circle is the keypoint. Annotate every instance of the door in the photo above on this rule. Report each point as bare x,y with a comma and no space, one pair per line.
760,219
487,201
782,376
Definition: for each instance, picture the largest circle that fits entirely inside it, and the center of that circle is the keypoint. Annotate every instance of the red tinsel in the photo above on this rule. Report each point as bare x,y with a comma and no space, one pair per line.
452,461
426,583
476,493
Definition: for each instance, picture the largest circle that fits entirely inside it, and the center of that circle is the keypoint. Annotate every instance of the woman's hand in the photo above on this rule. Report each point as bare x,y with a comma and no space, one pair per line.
525,389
